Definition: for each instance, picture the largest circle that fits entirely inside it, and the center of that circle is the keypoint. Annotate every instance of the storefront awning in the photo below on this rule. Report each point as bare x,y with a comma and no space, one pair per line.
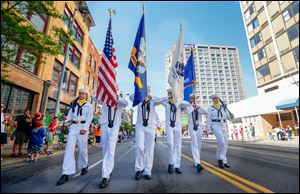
289,103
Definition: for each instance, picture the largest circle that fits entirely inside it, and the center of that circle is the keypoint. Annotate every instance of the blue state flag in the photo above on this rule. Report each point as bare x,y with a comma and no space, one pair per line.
189,77
137,64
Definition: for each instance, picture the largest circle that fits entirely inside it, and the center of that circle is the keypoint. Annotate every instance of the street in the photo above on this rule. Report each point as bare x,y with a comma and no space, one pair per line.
253,169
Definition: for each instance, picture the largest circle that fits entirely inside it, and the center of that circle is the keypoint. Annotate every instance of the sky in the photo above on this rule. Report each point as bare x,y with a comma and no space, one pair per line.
204,22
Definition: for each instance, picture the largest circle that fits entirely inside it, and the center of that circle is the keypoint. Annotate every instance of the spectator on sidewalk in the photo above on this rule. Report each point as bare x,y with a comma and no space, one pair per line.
22,124
98,135
231,134
242,132
288,131
36,140
50,135
271,136
5,122
247,131
279,133
236,132
252,130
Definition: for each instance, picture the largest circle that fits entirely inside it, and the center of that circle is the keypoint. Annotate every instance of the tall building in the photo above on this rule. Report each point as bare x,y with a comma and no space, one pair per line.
35,85
217,71
272,29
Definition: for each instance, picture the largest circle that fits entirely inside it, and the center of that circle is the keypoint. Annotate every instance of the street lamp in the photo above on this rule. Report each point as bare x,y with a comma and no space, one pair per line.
82,10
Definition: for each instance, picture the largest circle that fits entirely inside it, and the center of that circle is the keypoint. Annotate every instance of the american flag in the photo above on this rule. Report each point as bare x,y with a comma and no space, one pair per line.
107,88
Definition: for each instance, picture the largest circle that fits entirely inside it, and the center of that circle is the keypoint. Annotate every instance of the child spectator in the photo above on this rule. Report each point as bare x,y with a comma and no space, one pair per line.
37,140
50,135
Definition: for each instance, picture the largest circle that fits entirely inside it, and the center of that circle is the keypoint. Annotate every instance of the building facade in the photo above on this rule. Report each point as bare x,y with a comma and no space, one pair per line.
272,29
217,71
35,85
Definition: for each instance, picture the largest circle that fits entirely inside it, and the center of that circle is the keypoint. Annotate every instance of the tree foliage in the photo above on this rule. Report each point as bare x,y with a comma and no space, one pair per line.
18,34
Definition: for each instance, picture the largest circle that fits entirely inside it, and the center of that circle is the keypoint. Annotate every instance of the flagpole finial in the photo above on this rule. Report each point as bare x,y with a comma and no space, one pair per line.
180,25
111,12
143,8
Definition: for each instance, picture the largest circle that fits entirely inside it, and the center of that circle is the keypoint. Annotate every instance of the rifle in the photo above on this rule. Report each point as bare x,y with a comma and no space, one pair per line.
225,107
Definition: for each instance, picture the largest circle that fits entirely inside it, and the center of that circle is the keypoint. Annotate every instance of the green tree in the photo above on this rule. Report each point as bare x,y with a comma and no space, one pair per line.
127,127
19,34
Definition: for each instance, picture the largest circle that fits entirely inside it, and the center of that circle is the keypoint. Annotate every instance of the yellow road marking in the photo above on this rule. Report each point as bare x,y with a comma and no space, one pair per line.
226,178
210,167
254,185
251,150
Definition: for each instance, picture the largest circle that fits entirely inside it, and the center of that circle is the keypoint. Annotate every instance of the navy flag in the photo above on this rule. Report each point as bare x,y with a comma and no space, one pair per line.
137,64
189,77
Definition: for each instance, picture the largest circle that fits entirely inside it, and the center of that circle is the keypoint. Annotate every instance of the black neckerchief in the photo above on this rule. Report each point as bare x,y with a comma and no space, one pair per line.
145,112
219,111
173,110
111,122
79,110
195,119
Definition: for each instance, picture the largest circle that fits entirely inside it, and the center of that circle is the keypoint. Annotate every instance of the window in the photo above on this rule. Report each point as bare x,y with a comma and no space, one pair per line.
88,78
291,11
39,21
27,60
74,56
293,32
90,60
76,29
256,39
250,11
253,25
57,68
263,71
260,54
72,84
93,82
296,54
95,67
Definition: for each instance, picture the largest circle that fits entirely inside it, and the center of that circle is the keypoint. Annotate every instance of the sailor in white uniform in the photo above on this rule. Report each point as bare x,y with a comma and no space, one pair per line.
110,125
80,115
195,113
217,116
174,132
145,135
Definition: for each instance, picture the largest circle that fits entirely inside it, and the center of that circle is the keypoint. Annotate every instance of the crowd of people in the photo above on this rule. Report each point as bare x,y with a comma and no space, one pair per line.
242,133
282,134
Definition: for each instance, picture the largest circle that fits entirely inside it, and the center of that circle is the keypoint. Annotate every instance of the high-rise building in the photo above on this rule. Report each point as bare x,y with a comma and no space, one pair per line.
217,71
272,29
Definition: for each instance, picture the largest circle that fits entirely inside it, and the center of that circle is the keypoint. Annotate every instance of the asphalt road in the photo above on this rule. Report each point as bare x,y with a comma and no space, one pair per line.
253,169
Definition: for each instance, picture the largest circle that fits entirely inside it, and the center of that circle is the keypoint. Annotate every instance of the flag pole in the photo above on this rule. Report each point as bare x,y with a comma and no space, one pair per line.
143,8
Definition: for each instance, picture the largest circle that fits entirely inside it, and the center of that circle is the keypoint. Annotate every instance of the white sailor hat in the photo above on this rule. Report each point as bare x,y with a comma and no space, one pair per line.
149,90
192,94
169,90
215,96
84,90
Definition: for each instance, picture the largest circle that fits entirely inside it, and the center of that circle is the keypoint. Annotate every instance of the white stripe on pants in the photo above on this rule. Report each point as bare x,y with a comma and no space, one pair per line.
221,134
196,142
174,140
144,150
69,166
109,139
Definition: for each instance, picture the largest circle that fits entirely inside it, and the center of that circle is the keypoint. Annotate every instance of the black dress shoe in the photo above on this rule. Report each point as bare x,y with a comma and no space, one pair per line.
105,182
84,171
63,179
199,168
170,169
226,165
178,171
220,164
148,177
138,175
